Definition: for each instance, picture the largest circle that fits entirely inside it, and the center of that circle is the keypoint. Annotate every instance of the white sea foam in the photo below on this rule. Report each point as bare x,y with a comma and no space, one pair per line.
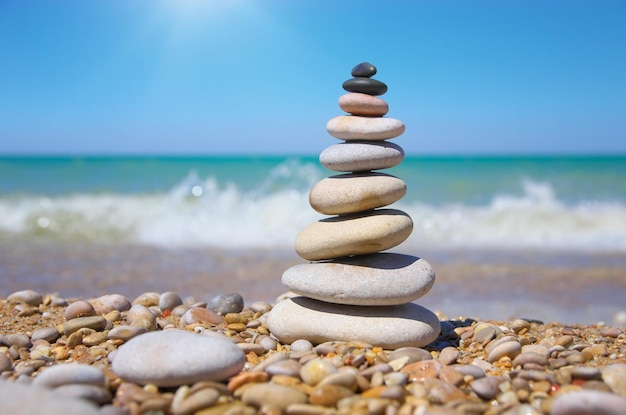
205,213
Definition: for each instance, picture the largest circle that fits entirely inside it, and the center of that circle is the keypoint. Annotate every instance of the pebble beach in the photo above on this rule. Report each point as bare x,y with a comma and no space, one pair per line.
59,354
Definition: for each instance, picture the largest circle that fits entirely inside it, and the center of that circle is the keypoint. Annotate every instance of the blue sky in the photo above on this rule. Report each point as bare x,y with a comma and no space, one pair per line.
264,76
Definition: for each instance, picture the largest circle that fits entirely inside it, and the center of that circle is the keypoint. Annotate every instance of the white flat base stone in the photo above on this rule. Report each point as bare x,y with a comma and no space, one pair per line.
377,279
390,327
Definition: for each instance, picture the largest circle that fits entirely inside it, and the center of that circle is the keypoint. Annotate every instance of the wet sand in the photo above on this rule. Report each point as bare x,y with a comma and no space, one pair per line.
550,287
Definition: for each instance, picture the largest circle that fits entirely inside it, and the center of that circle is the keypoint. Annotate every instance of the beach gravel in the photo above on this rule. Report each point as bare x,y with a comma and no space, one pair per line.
236,365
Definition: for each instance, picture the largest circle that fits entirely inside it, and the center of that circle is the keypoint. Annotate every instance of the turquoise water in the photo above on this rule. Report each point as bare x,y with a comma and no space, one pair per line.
564,203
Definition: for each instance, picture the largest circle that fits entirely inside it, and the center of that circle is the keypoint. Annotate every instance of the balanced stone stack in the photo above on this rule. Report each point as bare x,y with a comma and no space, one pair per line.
351,291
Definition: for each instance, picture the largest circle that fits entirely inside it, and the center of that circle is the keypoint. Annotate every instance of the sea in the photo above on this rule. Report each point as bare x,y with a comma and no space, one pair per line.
538,237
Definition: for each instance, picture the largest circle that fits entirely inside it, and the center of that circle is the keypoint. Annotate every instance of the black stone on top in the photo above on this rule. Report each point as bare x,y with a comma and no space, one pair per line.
365,86
364,69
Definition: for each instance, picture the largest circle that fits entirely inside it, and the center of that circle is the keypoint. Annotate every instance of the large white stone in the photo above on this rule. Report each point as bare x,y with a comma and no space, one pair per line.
352,193
377,279
354,127
390,327
361,156
355,234
177,357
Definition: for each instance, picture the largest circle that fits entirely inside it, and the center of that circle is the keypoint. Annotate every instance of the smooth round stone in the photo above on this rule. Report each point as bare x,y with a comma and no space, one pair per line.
354,234
226,303
69,374
389,327
585,402
29,297
361,156
615,377
365,69
91,393
365,85
95,322
272,395
5,363
377,279
79,308
177,357
169,301
125,332
509,349
355,127
49,334
18,398
354,192
107,303
363,104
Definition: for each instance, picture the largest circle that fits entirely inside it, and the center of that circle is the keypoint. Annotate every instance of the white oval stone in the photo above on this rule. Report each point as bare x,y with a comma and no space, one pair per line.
355,234
177,357
354,127
377,279
390,327
361,156
363,104
352,193
70,373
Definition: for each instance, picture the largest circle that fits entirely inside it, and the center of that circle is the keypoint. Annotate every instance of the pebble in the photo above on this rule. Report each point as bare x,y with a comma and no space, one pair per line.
449,355
365,69
525,358
29,297
5,362
355,192
365,85
17,398
95,322
354,234
329,394
169,300
393,326
284,367
509,349
193,403
363,104
141,316
315,370
16,340
353,156
418,371
376,279
107,303
201,315
486,387
80,308
272,395
301,345
226,303
587,402
176,357
125,332
413,354
149,299
68,374
615,376
355,127
92,393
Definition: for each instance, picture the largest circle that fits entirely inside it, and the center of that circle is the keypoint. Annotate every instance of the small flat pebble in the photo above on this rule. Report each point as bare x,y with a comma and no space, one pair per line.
201,315
75,324
615,377
469,370
169,300
329,394
70,373
509,349
285,367
15,339
301,345
355,127
226,303
272,395
449,355
586,402
193,403
421,370
141,316
149,299
29,297
49,334
79,308
353,156
486,387
363,104
529,357
176,357
16,398
107,303
315,370
125,332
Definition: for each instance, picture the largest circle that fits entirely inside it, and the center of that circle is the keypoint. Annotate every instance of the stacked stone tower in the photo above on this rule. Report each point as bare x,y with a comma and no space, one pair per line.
351,290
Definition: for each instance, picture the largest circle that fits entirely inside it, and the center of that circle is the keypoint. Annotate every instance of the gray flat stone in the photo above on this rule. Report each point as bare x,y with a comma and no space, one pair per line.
355,192
177,357
354,234
16,398
70,373
389,327
361,156
377,279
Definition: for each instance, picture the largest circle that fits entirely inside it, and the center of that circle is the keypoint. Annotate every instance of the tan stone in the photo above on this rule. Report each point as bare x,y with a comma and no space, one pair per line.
363,104
356,234
351,193
354,127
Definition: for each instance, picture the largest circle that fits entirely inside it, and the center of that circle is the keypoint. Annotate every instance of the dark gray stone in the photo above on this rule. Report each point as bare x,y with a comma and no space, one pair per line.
364,69
226,303
365,86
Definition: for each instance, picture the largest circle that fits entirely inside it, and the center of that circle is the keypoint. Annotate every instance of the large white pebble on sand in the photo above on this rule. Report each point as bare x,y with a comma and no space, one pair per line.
390,327
361,156
354,127
377,279
17,398
354,234
351,193
177,357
